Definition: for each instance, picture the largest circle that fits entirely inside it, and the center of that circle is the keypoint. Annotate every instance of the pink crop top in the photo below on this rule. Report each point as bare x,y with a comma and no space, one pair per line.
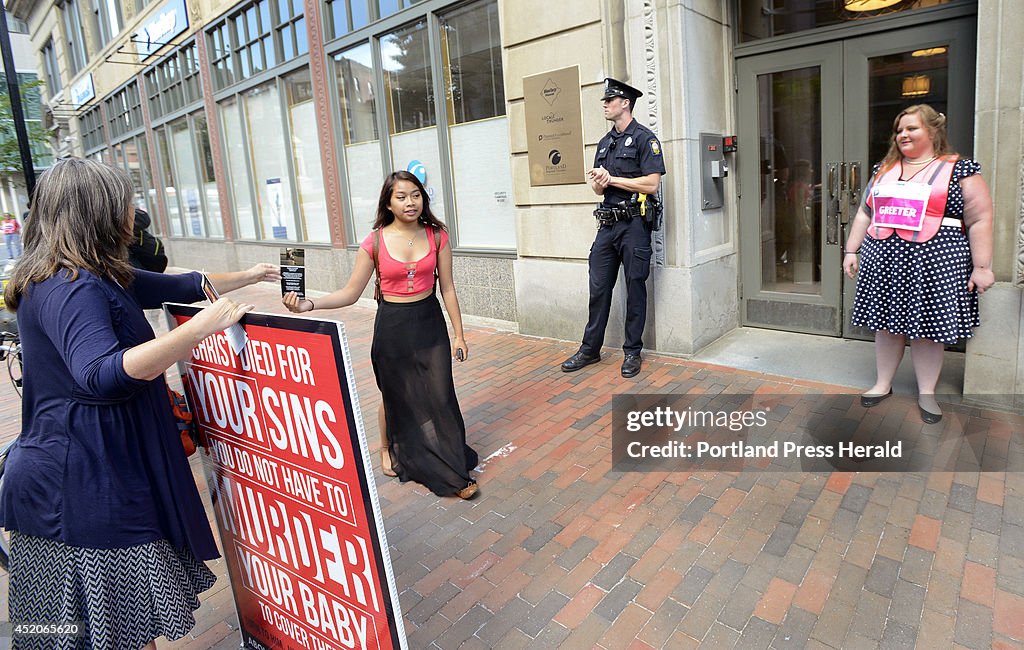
405,278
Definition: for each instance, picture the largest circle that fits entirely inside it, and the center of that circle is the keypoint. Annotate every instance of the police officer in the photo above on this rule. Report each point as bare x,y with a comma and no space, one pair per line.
628,166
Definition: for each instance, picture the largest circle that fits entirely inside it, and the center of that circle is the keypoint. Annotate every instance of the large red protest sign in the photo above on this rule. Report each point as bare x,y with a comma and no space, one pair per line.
288,469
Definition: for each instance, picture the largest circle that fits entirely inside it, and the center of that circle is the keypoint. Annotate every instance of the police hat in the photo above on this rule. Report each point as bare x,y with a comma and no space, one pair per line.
615,88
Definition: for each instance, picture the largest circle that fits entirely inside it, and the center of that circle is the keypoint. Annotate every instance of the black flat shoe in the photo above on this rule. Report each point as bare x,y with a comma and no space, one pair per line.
867,401
579,360
631,365
928,416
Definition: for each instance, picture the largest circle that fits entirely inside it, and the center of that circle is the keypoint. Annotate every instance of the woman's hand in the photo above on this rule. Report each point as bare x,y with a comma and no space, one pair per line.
294,304
219,316
850,264
264,272
981,280
460,344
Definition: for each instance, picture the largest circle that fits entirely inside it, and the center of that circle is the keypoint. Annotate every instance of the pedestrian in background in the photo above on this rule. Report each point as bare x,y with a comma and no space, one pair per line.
12,236
423,434
107,527
628,167
922,284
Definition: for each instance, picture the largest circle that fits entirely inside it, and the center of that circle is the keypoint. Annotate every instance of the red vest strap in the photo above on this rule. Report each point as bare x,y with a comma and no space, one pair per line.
938,180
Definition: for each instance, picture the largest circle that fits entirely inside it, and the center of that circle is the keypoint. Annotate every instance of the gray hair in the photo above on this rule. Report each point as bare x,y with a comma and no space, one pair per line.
80,219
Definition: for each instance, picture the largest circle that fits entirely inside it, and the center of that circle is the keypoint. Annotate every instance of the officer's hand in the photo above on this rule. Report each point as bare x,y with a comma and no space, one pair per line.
600,176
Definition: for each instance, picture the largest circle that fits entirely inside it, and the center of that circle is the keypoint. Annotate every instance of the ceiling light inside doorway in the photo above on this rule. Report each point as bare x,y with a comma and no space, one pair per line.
868,5
931,51
917,85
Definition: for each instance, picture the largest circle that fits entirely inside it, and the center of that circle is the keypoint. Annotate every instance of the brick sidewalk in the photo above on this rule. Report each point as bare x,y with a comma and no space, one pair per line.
561,551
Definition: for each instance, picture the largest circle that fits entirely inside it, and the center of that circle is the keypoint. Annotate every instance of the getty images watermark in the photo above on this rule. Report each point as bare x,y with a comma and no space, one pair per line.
808,432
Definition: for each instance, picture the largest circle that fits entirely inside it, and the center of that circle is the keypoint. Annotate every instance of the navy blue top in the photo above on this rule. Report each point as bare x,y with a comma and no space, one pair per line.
633,153
99,462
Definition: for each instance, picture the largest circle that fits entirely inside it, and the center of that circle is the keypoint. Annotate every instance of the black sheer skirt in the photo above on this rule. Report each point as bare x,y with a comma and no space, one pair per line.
412,361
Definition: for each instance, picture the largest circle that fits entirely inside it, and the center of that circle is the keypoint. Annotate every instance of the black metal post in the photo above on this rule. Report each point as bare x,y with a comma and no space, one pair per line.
28,168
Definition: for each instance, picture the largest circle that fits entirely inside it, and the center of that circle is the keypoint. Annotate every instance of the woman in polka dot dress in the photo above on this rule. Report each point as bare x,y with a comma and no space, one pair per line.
920,270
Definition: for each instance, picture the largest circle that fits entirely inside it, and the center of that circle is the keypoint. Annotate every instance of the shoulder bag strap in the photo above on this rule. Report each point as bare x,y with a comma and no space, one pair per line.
376,266
437,254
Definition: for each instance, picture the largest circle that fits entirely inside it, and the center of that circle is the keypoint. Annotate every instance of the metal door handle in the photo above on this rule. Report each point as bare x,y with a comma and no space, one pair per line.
854,186
833,205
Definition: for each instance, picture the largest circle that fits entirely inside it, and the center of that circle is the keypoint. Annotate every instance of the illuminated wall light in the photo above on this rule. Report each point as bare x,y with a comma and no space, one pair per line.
916,85
931,51
868,5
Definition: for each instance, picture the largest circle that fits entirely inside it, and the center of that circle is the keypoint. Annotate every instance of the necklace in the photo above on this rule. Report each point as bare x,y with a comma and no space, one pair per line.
410,241
920,162
925,163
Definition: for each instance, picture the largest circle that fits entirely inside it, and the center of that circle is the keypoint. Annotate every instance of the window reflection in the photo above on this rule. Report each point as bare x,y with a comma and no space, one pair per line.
789,116
767,18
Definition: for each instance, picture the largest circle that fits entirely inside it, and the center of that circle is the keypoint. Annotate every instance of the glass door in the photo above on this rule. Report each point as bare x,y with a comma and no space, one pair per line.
813,122
885,73
790,124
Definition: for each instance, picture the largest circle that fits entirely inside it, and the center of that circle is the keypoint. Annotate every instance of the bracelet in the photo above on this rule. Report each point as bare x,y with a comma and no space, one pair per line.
311,305
856,252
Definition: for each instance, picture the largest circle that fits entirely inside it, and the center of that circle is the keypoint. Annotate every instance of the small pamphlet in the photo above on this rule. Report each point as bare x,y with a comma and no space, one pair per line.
237,338
293,271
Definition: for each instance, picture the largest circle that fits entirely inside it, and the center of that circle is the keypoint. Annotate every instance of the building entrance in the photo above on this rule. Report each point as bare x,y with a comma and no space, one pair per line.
814,117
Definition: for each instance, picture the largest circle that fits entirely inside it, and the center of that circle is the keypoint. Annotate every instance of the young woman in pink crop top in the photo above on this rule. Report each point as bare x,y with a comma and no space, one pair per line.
423,434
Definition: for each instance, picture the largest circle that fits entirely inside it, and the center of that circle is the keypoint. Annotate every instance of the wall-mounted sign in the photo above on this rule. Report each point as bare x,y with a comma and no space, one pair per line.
82,91
167,22
554,127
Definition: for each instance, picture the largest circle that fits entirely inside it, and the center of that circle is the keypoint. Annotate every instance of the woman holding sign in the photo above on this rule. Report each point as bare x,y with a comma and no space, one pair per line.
108,533
423,434
924,237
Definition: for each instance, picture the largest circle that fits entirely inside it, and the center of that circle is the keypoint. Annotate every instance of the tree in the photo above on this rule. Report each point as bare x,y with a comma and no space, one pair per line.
10,156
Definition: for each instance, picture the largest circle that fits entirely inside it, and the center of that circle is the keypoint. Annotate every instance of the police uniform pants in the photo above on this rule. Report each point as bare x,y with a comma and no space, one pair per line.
627,243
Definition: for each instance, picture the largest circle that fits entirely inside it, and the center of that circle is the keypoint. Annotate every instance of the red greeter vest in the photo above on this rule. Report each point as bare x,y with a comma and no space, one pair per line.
913,209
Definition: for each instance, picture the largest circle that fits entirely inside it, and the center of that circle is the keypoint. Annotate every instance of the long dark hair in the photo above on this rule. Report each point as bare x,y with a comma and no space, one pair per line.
384,216
79,220
933,121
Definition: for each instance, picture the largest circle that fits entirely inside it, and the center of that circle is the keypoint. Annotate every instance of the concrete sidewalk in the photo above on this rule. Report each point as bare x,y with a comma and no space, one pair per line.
561,551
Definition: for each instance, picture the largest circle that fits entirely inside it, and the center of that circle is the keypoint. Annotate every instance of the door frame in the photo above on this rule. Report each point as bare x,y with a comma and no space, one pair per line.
809,308
954,24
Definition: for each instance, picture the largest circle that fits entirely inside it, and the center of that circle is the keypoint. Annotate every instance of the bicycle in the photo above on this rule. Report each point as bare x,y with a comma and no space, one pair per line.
10,354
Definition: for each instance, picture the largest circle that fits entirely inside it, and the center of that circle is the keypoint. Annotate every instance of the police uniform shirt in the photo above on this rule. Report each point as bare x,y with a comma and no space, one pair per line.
633,153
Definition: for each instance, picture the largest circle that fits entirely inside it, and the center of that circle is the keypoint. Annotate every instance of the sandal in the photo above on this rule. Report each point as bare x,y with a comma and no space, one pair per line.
385,463
468,492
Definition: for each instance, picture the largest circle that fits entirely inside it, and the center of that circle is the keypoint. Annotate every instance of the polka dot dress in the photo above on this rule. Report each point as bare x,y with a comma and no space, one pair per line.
919,289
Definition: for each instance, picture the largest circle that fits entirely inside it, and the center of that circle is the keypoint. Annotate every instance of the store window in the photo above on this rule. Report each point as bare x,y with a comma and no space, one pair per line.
237,150
412,118
74,36
124,111
190,188
344,16
53,84
274,196
458,147
169,196
174,82
363,167
256,38
478,128
269,168
90,125
309,179
133,155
